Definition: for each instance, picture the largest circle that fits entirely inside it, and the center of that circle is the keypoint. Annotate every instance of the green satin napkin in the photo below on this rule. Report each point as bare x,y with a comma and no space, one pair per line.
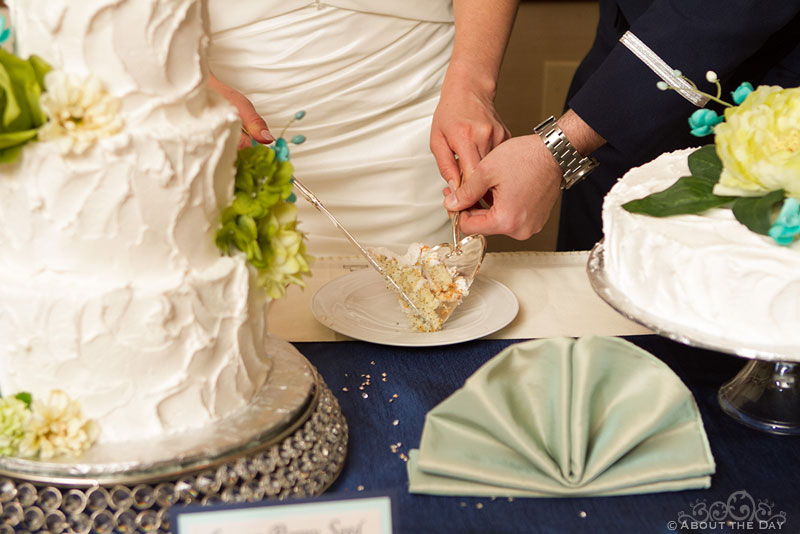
564,417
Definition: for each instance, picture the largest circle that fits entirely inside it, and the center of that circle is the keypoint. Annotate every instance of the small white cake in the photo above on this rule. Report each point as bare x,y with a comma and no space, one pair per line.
706,272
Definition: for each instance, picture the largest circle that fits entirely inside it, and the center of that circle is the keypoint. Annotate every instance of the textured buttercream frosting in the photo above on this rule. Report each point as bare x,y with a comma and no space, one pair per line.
111,287
705,272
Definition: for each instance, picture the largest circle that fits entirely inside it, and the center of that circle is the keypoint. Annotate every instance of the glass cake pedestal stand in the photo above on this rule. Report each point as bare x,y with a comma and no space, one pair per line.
764,395
290,441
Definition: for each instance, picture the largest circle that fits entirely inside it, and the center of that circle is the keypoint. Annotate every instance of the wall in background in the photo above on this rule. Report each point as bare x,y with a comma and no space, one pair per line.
547,43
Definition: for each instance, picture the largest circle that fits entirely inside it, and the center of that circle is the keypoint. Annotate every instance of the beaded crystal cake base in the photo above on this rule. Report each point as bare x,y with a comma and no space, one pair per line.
300,455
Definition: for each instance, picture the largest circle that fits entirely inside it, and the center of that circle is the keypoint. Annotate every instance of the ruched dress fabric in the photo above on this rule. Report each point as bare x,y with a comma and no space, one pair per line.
368,74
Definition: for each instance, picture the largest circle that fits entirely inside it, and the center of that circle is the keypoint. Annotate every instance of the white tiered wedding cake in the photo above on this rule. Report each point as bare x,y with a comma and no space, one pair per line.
111,287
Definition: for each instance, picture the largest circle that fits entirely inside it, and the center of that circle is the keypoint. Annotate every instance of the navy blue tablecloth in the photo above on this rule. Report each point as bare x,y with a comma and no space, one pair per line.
385,393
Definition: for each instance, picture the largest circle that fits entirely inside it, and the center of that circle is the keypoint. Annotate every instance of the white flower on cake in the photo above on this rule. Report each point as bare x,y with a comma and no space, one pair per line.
80,111
14,416
57,427
759,144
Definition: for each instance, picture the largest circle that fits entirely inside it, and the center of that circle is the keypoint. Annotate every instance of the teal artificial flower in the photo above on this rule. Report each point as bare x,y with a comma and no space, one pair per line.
742,92
5,32
703,121
281,149
787,226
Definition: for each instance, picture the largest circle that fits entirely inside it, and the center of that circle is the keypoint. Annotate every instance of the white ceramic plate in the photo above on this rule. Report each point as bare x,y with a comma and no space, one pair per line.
359,305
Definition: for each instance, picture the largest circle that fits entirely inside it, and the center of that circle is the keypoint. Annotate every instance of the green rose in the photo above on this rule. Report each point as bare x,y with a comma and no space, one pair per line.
759,144
21,85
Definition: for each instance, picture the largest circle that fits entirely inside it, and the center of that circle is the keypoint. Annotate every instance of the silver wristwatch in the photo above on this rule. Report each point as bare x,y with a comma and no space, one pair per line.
574,167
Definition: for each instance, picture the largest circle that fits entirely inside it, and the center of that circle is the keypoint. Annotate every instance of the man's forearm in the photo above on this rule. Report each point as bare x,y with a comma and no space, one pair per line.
581,135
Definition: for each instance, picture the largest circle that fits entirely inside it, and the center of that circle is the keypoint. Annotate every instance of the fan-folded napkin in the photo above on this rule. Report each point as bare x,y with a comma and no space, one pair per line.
564,417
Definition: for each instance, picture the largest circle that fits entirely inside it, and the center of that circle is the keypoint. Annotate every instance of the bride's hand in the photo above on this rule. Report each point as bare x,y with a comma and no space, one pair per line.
465,123
252,123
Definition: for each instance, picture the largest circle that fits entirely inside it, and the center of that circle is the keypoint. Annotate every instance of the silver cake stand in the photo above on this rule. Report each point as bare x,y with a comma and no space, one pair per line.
764,395
290,441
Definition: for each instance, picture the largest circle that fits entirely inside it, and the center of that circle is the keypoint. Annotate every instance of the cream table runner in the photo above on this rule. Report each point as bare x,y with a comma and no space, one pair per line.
553,290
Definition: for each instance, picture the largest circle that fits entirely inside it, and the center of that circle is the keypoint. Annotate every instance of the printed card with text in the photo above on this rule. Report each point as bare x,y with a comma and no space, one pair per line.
367,514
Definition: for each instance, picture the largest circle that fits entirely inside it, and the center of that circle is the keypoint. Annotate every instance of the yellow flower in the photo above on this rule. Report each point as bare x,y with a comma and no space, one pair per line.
759,144
57,428
79,112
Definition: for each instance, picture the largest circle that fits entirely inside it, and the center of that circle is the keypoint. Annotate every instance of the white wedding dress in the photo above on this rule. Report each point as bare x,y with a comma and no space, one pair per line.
368,74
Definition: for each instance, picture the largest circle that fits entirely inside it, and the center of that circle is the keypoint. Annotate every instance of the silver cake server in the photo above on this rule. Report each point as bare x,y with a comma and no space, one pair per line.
311,197
463,255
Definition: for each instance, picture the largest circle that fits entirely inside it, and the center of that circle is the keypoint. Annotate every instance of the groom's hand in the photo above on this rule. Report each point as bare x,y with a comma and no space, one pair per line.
524,181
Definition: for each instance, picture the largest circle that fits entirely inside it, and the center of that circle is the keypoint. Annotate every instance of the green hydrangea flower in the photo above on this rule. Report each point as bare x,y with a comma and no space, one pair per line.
262,224
759,144
285,250
14,417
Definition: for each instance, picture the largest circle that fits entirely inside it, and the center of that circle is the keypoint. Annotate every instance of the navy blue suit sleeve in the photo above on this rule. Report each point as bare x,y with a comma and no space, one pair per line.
620,99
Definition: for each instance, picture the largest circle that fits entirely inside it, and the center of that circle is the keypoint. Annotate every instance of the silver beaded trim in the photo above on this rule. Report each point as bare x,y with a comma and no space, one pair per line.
303,464
662,69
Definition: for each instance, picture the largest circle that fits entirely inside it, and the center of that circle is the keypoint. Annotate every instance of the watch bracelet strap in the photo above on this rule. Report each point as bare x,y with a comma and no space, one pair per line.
574,167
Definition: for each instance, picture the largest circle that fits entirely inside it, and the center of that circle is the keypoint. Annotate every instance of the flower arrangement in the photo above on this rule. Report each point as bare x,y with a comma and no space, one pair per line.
44,429
753,167
37,103
261,221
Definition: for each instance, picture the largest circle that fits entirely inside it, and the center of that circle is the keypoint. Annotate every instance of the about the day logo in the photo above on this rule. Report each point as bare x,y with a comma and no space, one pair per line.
739,512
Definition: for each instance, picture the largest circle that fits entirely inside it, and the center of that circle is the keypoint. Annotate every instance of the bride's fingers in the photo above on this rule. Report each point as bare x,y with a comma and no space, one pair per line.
446,161
468,159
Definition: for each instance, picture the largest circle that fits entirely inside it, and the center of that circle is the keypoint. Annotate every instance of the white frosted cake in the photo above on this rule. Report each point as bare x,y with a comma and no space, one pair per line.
706,273
111,287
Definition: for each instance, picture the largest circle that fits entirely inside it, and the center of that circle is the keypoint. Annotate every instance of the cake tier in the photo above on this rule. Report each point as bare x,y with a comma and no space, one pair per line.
142,359
705,272
149,53
140,204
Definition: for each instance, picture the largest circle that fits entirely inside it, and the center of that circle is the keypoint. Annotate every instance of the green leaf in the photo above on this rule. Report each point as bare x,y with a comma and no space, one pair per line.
40,68
10,155
16,76
25,397
11,109
32,91
756,212
690,194
9,139
705,164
